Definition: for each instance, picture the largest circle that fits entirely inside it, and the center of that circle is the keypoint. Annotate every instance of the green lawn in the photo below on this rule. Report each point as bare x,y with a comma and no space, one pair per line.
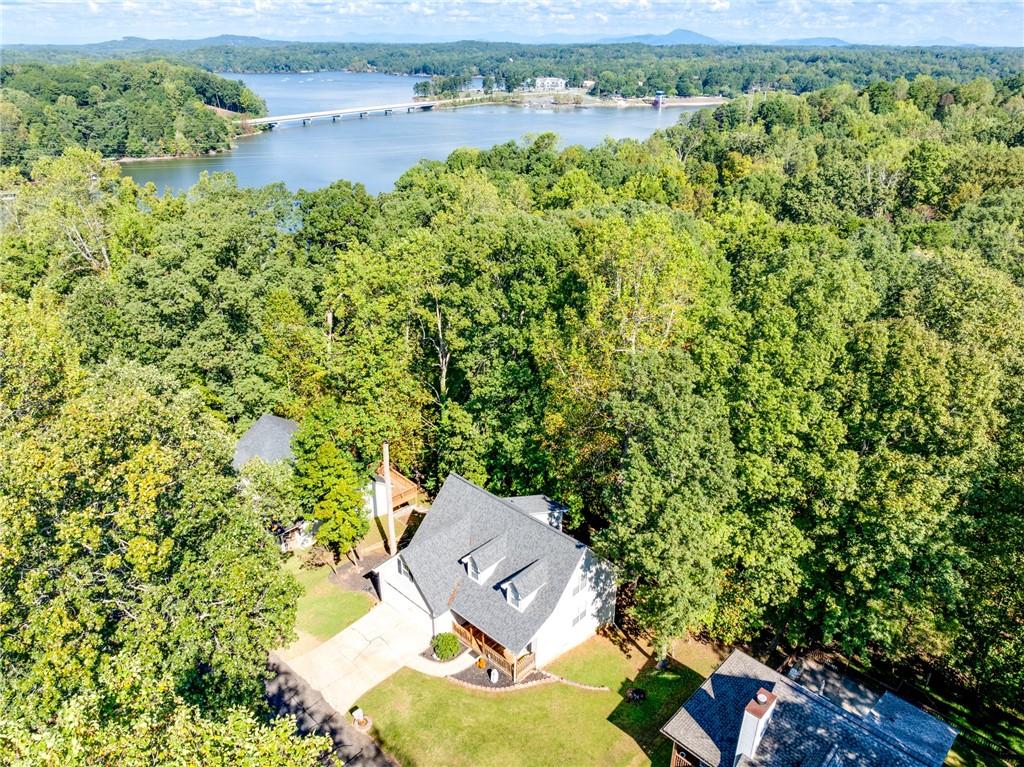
324,609
988,737
405,526
433,723
427,722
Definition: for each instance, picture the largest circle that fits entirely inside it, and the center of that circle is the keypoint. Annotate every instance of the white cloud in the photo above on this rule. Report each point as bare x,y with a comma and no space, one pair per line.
981,21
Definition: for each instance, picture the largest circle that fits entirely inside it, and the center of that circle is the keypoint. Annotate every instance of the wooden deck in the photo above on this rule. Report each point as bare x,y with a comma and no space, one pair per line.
403,490
495,653
679,760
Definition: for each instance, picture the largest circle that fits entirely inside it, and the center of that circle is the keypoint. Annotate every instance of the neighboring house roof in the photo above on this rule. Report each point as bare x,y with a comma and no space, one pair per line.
270,438
466,519
540,506
805,728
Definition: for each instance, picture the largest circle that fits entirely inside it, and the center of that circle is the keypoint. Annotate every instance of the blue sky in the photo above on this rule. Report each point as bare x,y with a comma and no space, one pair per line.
991,22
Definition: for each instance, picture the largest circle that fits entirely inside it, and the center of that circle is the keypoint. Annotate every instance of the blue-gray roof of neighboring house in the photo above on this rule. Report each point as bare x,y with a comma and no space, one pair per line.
270,438
805,728
912,726
541,506
463,518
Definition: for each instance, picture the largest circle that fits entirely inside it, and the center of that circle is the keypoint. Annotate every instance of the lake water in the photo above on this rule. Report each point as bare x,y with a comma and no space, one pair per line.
376,150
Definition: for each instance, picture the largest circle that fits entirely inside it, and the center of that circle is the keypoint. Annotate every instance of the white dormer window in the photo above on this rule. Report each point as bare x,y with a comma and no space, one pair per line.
517,598
474,571
403,568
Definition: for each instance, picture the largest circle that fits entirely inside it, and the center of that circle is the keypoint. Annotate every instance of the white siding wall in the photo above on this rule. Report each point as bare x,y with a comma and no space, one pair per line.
442,623
400,592
375,499
595,600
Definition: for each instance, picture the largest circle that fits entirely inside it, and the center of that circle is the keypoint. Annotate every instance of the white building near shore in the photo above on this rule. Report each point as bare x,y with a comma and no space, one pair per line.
549,84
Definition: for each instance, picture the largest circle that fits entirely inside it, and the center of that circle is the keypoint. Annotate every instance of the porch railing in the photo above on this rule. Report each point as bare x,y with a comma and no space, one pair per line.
679,760
497,655
525,664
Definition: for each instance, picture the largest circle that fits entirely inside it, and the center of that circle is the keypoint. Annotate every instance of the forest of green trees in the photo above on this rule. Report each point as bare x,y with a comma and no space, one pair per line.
626,69
117,108
772,358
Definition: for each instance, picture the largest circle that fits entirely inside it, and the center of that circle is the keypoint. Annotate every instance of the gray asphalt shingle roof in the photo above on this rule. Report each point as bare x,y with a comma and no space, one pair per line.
489,553
462,518
805,728
529,579
270,438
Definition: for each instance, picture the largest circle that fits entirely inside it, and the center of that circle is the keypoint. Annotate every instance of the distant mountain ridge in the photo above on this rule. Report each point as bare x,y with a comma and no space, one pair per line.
145,45
675,37
823,42
139,44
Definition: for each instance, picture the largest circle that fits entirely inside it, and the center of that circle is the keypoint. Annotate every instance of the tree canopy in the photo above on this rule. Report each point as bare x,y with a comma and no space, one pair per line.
117,108
135,587
629,69
771,358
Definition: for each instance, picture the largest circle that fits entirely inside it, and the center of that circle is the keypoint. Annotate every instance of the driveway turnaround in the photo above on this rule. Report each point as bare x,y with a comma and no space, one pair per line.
361,656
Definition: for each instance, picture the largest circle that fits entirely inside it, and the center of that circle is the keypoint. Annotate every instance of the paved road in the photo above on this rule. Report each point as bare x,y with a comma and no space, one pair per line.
362,656
289,693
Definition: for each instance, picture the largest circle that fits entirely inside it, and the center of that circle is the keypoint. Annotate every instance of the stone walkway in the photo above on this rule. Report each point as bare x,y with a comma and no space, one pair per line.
436,668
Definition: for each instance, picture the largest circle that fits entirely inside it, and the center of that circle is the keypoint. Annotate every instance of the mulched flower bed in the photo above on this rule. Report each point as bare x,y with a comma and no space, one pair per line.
478,676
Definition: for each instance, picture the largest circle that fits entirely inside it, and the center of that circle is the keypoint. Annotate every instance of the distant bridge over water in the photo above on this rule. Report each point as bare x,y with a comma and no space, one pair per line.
337,114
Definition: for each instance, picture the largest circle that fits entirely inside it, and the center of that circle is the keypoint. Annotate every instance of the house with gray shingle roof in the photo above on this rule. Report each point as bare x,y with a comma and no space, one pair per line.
501,574
748,715
269,439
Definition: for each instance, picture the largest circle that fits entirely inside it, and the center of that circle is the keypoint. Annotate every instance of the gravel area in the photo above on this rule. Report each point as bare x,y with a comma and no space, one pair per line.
478,676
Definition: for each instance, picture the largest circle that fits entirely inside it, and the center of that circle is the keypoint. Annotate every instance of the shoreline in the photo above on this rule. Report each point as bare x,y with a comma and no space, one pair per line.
520,100
192,156
540,100
159,157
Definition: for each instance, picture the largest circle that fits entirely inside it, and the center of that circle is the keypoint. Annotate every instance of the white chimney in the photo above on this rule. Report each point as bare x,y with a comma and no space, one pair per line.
389,499
756,716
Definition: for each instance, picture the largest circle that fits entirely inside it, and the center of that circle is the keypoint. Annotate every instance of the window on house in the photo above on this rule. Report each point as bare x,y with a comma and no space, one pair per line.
473,570
580,580
579,616
513,597
404,569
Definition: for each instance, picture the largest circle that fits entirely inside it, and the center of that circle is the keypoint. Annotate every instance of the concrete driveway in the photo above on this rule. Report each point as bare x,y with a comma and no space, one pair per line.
362,656
288,693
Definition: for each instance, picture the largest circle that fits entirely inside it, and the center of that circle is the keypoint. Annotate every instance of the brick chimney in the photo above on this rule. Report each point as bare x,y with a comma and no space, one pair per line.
756,716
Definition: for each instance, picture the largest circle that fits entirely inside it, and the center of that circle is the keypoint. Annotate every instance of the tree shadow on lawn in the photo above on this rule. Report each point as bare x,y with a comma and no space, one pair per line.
667,689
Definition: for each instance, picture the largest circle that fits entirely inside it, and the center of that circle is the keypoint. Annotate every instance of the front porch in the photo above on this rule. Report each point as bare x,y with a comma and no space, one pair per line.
516,668
683,758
